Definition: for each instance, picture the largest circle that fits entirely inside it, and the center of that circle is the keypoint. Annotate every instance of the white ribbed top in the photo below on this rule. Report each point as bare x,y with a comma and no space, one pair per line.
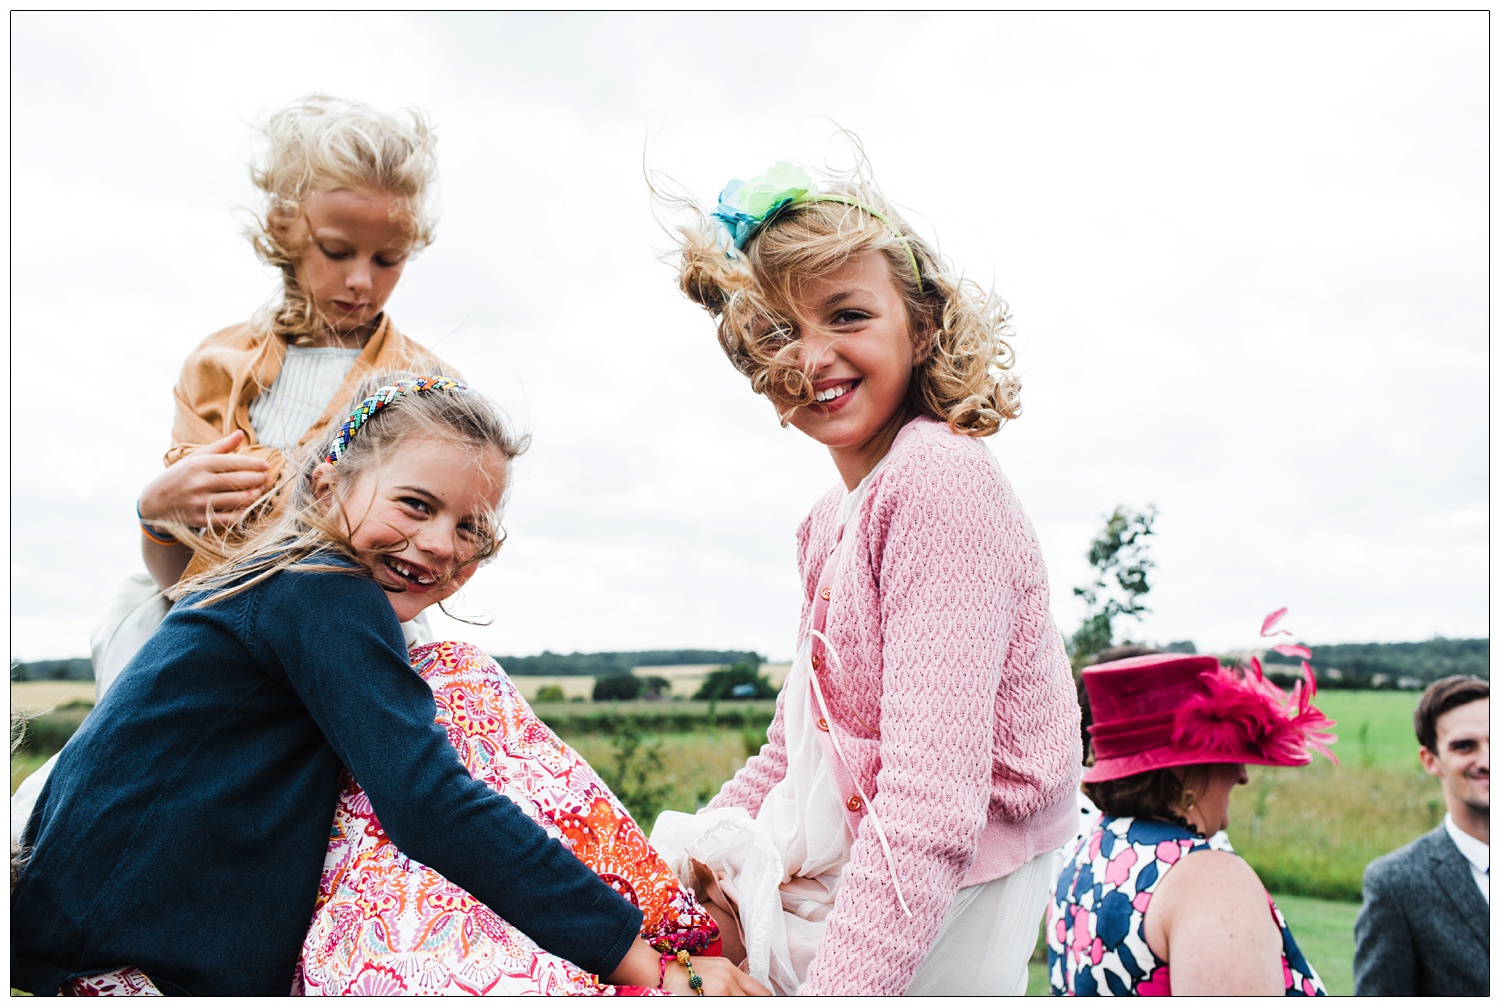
309,378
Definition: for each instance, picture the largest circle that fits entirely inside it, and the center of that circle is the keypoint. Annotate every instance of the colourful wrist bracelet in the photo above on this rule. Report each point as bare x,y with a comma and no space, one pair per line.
695,982
154,534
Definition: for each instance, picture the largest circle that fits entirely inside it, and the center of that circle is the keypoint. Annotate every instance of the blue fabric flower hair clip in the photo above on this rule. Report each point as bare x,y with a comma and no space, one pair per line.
747,206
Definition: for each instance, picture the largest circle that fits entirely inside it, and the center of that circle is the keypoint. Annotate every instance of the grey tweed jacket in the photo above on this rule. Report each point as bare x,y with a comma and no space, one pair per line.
1424,928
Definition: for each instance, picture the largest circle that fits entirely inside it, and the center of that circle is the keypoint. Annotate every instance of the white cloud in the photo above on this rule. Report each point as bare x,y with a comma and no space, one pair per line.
1246,254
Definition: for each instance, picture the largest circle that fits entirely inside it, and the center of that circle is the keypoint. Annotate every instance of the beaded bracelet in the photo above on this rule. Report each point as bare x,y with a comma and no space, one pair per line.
695,982
154,534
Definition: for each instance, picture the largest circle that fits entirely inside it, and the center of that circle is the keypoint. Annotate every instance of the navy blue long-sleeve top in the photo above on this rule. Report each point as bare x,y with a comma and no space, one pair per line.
184,827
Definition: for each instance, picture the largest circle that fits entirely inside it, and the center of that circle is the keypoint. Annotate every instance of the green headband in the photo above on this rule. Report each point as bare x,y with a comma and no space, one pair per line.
745,207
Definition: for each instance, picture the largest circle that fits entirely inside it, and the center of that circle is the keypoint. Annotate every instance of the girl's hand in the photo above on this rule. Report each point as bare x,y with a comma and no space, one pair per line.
720,979
641,966
212,487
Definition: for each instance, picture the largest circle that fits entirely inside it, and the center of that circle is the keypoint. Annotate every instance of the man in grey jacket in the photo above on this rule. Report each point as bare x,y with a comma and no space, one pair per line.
1424,927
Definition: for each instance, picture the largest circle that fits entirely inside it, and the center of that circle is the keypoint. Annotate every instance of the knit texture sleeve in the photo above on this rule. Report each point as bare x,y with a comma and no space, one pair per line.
339,645
748,788
943,550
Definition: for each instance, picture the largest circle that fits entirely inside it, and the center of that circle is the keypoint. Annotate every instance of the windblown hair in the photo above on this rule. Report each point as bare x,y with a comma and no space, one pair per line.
1158,793
320,144
961,374
304,538
1441,696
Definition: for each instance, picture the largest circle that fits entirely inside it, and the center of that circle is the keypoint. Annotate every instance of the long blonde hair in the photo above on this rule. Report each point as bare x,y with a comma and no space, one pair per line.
303,537
320,144
962,371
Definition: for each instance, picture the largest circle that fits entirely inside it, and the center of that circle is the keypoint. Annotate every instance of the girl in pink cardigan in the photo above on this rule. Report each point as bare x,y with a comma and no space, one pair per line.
896,834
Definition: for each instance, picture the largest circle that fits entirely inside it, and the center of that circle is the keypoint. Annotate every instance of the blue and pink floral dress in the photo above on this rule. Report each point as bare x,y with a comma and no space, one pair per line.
1096,925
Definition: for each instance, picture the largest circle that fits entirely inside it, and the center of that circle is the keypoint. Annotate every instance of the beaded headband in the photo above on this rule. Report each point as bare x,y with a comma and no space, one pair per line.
745,207
384,396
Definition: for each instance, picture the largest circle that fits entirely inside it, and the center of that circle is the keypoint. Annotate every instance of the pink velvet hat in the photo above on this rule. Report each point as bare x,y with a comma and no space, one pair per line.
1162,710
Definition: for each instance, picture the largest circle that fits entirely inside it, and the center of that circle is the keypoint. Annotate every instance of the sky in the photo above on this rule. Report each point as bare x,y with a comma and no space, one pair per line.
1246,257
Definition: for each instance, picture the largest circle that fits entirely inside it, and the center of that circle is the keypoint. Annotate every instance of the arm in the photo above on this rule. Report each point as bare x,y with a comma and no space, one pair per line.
1385,960
1210,920
337,641
210,487
749,787
946,609
642,967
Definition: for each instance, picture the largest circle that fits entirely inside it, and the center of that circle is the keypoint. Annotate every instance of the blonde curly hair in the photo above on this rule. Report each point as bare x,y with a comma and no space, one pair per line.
320,144
962,370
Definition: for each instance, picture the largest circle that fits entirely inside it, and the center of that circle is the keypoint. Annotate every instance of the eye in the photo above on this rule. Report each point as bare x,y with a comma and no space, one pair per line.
415,503
850,316
474,531
389,261
333,254
776,334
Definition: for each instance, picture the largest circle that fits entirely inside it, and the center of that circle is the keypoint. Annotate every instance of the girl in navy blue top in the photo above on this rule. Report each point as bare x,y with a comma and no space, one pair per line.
199,873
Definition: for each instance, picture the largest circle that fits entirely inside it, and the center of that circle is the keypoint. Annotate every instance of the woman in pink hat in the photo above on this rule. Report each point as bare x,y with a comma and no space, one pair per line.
1154,900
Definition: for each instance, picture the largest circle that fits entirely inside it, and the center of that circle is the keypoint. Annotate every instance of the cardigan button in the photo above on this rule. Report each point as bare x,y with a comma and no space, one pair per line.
826,594
817,661
822,723
855,803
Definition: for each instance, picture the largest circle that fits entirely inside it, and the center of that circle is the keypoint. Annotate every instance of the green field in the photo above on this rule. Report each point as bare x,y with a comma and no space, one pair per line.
1308,832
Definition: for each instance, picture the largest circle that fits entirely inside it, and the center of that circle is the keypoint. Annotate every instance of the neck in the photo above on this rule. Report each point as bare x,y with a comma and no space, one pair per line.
1472,821
355,339
854,463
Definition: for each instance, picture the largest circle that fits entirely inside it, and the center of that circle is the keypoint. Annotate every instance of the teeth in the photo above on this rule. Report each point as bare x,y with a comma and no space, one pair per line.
410,574
829,394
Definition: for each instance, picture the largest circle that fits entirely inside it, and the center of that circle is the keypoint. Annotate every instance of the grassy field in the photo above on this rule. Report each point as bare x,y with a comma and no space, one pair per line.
1308,832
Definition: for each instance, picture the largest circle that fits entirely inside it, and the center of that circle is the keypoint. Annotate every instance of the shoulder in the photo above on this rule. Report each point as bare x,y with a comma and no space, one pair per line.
1412,861
238,337
224,348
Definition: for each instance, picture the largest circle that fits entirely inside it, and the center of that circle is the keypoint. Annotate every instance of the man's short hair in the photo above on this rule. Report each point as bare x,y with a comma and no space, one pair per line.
1442,696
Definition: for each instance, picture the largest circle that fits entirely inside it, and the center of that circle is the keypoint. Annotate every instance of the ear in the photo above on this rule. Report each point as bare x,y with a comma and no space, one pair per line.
1429,761
923,340
324,479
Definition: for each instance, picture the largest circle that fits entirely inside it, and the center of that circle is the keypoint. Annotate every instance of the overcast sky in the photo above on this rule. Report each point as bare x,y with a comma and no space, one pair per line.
1246,256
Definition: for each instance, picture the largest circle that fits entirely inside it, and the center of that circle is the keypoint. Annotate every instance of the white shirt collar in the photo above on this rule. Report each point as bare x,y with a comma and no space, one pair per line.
1474,851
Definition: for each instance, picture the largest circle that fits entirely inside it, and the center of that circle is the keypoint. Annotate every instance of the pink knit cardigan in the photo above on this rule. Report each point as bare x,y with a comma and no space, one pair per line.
955,708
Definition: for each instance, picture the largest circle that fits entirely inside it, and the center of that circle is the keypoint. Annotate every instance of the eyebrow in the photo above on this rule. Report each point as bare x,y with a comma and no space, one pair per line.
839,297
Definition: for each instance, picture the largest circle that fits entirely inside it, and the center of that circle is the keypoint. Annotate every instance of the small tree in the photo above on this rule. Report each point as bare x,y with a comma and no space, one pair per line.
550,694
725,683
616,687
1118,556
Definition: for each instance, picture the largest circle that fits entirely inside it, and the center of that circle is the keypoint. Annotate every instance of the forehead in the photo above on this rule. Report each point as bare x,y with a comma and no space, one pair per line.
867,272
460,474
377,215
1470,721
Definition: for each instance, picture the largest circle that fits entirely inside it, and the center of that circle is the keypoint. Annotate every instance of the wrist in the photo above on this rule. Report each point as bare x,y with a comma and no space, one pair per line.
158,535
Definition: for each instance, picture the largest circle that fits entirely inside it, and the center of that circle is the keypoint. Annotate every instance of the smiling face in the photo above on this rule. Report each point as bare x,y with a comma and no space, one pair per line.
854,329
1462,762
420,516
356,247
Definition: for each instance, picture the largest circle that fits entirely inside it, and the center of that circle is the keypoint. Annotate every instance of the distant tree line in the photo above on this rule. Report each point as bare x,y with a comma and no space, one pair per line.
1393,665
619,662
81,669
75,669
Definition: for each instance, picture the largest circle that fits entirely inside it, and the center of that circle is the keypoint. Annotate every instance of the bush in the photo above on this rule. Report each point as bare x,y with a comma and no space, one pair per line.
738,681
617,687
550,694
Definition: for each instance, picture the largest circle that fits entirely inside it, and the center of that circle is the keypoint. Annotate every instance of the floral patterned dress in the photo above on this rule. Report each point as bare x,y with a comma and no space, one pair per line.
386,924
1096,925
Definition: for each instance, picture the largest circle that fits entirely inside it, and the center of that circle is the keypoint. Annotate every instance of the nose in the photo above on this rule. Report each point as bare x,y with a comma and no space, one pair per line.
438,539
818,347
358,277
